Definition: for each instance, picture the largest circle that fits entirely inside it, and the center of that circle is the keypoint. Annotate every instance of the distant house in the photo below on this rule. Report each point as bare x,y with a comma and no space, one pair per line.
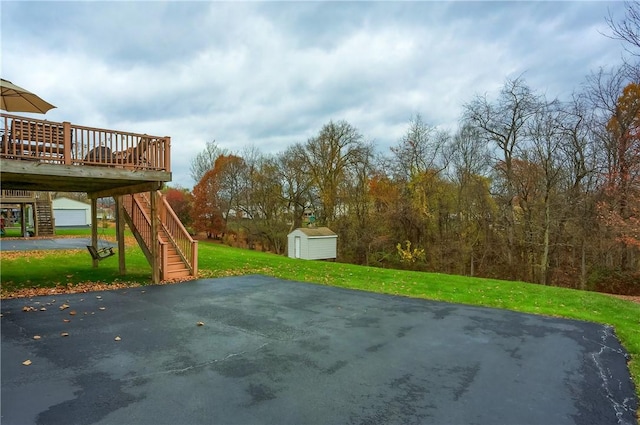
69,212
312,243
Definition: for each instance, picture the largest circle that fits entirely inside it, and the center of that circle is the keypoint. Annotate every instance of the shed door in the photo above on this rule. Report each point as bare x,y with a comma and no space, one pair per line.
297,242
70,217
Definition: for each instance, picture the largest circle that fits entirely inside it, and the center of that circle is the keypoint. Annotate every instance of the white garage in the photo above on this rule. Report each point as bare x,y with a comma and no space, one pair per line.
312,243
69,212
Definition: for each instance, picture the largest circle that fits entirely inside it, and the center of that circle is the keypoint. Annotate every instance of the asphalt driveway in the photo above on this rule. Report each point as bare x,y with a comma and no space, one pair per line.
32,244
277,352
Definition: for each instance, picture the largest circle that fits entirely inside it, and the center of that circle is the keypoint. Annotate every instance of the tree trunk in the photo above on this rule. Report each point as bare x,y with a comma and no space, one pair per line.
583,267
544,263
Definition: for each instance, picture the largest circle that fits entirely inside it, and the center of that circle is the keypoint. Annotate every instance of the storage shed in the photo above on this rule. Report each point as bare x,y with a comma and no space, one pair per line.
69,212
312,243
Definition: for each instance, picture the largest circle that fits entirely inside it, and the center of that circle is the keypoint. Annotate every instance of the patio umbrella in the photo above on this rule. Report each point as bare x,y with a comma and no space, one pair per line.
17,99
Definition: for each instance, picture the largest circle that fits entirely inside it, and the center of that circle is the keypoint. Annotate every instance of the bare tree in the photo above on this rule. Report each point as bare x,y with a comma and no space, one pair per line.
296,181
419,150
268,212
469,154
546,133
628,29
581,179
502,123
470,162
205,160
328,155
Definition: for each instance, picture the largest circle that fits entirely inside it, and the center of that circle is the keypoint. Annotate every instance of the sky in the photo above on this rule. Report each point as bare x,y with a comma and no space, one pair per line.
271,74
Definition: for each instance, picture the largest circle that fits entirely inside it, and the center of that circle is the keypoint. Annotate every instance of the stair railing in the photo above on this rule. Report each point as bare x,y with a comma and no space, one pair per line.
140,222
178,236
182,240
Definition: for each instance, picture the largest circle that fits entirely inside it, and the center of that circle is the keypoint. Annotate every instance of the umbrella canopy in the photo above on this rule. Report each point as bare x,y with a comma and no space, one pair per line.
17,99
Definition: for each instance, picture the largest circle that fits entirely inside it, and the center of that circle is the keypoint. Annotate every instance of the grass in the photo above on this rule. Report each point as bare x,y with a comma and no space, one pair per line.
46,269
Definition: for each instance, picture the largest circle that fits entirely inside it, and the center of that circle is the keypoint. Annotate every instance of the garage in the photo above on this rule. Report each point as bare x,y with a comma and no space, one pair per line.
69,212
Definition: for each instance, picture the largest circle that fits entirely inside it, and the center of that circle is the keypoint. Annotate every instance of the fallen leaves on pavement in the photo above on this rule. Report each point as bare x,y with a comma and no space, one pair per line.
82,287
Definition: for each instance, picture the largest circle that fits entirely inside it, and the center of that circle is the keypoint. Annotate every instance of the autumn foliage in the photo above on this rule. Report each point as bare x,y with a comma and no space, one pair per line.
620,211
206,213
529,189
181,201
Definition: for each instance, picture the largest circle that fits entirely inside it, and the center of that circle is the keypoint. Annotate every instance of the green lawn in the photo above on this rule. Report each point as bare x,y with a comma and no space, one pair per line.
46,269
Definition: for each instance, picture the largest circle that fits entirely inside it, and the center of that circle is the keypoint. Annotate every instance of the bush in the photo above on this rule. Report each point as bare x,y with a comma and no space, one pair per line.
614,282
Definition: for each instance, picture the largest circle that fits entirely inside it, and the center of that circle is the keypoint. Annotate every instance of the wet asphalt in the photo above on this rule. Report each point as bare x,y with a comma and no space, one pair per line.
279,352
30,244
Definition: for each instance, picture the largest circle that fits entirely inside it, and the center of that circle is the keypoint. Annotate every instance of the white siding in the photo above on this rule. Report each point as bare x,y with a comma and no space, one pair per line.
69,212
320,248
312,247
70,217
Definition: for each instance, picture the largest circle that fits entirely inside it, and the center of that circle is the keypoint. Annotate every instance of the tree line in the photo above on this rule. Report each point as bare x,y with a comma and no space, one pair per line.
527,188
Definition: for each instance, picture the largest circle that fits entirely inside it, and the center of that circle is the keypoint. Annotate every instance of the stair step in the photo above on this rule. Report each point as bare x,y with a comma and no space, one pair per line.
44,218
176,274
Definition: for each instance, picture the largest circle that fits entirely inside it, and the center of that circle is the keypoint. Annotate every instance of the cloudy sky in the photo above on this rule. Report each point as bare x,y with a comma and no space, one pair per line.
269,74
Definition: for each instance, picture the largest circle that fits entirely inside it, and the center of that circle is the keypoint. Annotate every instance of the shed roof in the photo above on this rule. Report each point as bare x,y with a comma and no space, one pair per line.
317,231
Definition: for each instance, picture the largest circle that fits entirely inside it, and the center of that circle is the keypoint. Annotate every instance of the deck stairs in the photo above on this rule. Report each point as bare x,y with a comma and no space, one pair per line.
177,250
44,218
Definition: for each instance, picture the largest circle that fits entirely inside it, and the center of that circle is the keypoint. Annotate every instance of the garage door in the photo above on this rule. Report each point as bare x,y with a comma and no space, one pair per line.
70,217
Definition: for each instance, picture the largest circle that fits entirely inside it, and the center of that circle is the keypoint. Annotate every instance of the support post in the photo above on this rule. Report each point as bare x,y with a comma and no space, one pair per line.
155,252
94,227
67,140
36,224
23,220
120,235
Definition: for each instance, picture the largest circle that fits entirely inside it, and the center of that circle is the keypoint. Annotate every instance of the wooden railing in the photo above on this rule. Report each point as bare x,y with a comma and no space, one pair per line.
179,237
26,196
68,144
186,246
18,194
140,222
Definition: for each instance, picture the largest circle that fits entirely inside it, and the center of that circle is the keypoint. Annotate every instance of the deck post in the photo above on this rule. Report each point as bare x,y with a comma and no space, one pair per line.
167,153
66,127
23,220
94,227
120,235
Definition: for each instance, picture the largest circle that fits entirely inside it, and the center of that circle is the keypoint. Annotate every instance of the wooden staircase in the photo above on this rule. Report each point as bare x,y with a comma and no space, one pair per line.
176,250
44,217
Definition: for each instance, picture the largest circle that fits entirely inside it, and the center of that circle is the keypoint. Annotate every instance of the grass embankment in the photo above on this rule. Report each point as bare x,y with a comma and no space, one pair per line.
41,269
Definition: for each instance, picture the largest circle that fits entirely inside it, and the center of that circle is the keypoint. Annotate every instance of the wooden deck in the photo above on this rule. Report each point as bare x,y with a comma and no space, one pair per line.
51,156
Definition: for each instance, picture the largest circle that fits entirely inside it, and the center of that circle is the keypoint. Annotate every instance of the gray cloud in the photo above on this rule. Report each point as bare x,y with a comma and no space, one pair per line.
270,74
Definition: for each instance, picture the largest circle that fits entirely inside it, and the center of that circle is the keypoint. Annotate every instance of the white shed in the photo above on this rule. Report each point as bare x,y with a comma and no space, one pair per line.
312,243
69,212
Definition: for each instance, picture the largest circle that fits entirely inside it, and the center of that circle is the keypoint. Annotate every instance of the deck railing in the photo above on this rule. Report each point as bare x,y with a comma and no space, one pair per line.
17,194
68,144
